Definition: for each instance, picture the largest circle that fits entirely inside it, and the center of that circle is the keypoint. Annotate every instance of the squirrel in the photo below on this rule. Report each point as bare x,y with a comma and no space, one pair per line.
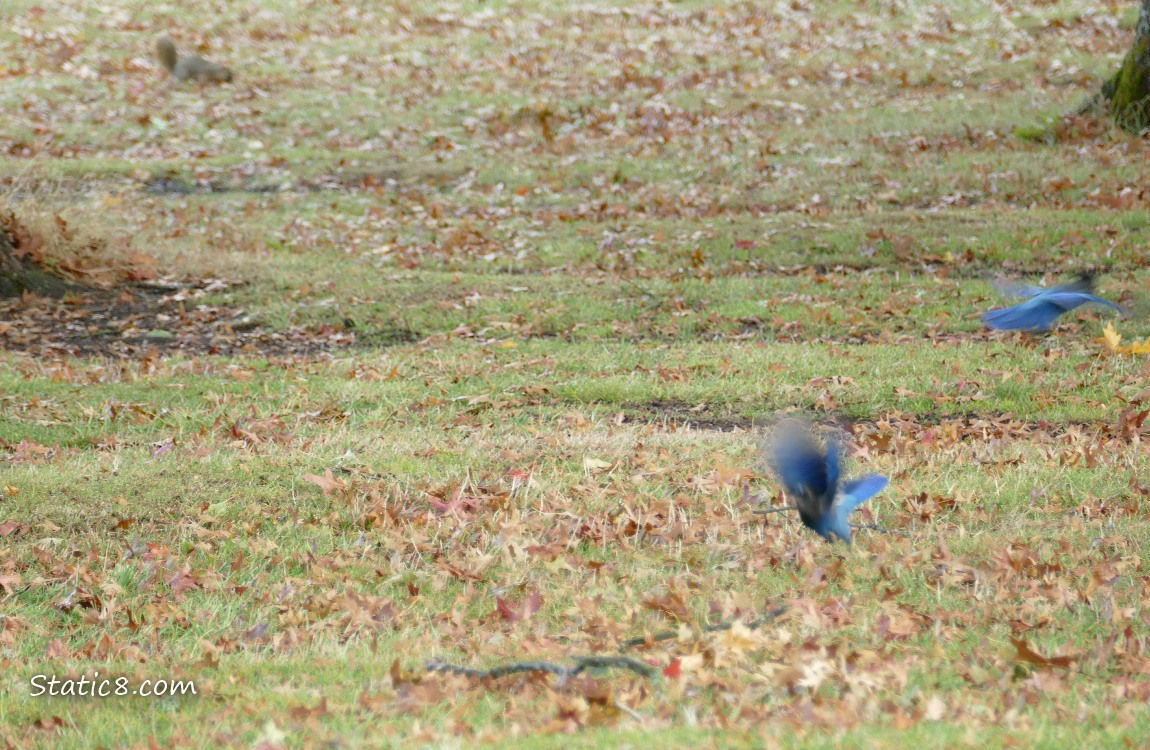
189,67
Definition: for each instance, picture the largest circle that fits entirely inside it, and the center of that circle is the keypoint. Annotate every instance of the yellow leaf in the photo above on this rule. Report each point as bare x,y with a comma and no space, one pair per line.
691,663
1111,337
272,734
815,672
739,638
595,465
935,709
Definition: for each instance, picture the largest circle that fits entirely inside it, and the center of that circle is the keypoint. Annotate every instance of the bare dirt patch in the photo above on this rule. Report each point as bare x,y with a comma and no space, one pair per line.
131,322
70,292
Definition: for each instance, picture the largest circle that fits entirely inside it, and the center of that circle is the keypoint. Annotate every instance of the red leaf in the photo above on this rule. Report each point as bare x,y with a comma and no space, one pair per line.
303,713
181,582
506,610
458,502
532,603
673,670
515,611
670,604
327,482
48,723
1025,654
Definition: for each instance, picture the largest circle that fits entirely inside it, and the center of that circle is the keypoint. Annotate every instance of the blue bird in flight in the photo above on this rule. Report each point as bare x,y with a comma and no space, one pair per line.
811,475
1045,305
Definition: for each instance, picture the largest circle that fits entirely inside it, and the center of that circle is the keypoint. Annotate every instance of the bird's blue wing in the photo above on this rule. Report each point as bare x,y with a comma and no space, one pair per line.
858,491
1071,300
1034,314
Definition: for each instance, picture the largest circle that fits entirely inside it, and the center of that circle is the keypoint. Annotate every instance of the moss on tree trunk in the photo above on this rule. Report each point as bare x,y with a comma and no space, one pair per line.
1128,92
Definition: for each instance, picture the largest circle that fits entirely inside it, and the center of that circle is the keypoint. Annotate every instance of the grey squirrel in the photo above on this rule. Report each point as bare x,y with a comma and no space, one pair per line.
189,67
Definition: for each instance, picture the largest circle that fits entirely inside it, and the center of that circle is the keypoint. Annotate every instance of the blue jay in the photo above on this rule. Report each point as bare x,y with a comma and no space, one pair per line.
810,475
1044,306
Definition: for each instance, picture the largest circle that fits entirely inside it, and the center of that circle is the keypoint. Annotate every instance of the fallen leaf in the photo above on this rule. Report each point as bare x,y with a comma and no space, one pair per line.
1025,654
328,483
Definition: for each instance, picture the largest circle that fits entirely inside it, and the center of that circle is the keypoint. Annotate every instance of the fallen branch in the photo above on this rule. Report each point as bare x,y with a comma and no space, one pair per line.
780,509
582,663
879,529
628,710
561,671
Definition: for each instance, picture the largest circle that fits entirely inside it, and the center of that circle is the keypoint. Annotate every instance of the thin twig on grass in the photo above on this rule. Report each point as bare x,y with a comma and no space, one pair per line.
628,710
559,670
773,510
582,663
879,529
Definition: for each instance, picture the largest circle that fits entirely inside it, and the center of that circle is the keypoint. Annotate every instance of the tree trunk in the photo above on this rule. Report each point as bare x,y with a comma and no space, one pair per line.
1128,92
18,274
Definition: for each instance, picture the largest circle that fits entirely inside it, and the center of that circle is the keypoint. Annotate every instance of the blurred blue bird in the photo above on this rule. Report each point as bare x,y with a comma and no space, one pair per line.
811,474
1044,306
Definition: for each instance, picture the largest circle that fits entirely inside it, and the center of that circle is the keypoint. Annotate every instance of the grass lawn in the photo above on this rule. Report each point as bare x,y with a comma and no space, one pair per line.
462,328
